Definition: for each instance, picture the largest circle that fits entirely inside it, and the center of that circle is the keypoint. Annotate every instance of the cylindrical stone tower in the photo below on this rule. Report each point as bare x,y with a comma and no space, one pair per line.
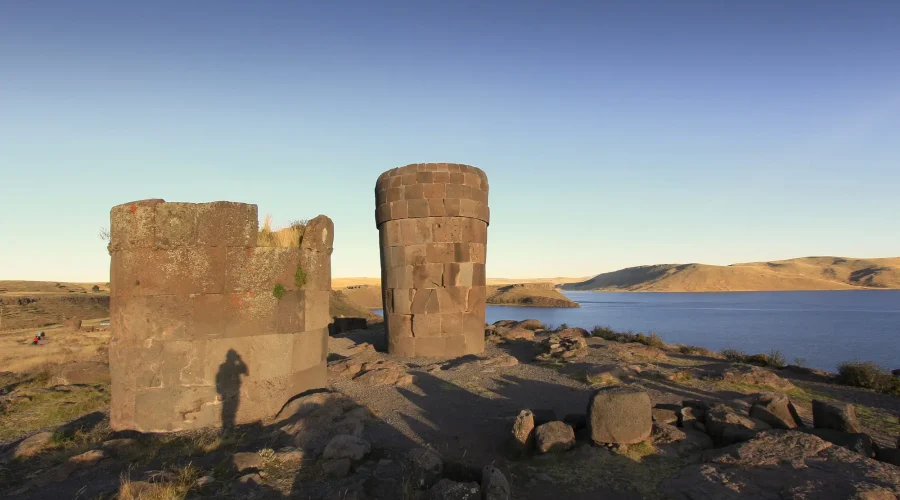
432,222
207,328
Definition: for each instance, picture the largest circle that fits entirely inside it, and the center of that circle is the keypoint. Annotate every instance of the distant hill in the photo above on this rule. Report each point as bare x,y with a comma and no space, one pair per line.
528,294
806,273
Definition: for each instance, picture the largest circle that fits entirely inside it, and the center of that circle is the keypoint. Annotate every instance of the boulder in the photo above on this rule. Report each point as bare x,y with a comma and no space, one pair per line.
120,447
88,458
888,455
499,361
666,413
494,485
687,415
33,445
523,432
346,446
727,427
530,324
337,468
446,489
313,420
246,462
776,410
425,467
672,441
517,334
505,323
837,416
859,442
554,437
780,464
744,374
619,415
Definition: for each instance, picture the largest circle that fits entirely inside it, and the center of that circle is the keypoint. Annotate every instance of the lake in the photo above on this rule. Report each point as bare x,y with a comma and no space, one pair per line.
823,328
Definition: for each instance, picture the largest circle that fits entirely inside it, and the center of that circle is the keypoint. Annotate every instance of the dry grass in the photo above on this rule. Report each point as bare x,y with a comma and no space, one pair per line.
285,237
61,346
169,490
41,407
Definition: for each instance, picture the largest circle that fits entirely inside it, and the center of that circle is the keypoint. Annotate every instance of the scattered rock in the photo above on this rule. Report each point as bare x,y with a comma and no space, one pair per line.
837,416
33,445
636,351
72,323
523,432
246,461
744,374
860,443
896,372
776,410
672,441
505,323
530,324
88,458
206,480
888,455
619,415
566,345
515,333
446,489
366,368
347,446
500,361
554,437
727,427
337,468
784,464
494,485
120,447
666,413
426,467
313,420
608,374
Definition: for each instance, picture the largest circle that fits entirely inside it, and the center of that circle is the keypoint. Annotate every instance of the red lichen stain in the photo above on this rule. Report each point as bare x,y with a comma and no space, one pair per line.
249,251
133,209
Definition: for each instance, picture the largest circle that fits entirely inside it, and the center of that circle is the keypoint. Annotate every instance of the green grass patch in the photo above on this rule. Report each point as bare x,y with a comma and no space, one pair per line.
49,408
278,292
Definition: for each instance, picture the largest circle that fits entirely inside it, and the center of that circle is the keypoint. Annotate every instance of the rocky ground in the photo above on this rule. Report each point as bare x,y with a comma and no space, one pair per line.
540,414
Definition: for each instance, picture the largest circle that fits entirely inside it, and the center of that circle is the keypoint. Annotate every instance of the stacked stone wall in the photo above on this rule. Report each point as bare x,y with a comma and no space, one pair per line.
432,220
207,328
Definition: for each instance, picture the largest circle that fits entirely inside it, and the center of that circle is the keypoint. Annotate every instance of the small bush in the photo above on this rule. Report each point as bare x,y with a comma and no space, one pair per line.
735,355
757,359
95,288
278,292
801,362
562,327
652,340
776,359
693,350
604,332
869,376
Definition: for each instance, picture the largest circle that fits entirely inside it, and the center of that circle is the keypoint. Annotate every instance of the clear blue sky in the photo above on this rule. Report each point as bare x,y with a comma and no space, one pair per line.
613,135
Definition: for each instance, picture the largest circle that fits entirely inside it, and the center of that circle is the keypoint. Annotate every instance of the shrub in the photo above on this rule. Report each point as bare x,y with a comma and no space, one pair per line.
654,340
735,355
278,292
604,332
757,359
95,288
562,327
867,375
693,350
776,359
801,362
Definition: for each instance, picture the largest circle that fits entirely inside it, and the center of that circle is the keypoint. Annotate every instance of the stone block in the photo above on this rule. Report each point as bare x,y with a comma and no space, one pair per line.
311,378
402,346
179,271
317,312
318,235
400,209
452,299
619,415
316,268
224,223
133,225
455,346
401,300
416,255
260,269
441,253
436,207
176,225
400,324
451,324
431,347
426,325
309,349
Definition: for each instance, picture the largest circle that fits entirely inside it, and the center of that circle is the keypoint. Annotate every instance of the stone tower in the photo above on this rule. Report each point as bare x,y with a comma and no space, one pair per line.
432,223
207,327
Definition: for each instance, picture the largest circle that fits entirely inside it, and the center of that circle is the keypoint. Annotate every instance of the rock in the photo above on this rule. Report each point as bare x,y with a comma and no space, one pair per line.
82,372
577,421
426,467
638,352
248,482
896,372
505,323
88,458
672,441
727,427
337,468
500,361
780,464
313,420
523,432
619,415
665,413
383,373
83,423
33,445
837,416
860,443
246,461
494,485
530,324
888,455
776,410
205,481
745,374
347,446
554,437
516,334
72,323
446,489
566,345
120,447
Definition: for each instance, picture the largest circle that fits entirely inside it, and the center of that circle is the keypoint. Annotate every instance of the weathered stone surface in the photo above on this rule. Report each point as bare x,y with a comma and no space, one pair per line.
88,458
619,415
120,447
776,410
207,328
566,346
666,414
347,446
33,445
425,466
446,489
859,442
530,324
494,485
785,464
246,461
516,333
523,432
82,372
726,426
554,437
672,441
834,415
313,420
433,232
337,468
746,374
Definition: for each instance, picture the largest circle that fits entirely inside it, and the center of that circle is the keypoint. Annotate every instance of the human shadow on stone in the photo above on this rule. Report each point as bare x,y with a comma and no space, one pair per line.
228,386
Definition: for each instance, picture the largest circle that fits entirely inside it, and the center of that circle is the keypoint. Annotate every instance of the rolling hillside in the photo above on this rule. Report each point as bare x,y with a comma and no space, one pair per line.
806,273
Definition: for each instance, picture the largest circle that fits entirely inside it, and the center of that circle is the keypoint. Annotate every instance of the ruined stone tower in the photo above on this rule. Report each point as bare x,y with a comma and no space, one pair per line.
432,222
207,327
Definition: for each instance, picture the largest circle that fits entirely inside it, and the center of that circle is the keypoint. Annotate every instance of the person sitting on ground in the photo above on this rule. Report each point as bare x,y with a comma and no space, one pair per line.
37,339
41,335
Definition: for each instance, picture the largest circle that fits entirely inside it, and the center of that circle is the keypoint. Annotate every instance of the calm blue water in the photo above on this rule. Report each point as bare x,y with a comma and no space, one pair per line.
823,328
